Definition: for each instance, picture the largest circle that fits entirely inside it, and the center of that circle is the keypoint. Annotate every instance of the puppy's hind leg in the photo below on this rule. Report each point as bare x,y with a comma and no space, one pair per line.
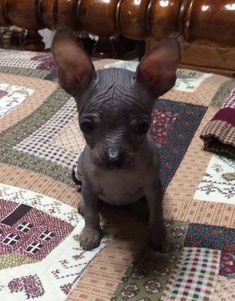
77,179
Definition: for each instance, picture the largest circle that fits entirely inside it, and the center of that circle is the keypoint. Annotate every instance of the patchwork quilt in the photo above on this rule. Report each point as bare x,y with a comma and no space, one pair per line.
40,141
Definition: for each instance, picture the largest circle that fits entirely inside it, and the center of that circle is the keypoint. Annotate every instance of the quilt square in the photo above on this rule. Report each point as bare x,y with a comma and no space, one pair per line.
217,238
189,80
40,142
40,255
225,289
13,58
213,237
227,264
218,182
197,276
45,61
223,93
11,96
173,127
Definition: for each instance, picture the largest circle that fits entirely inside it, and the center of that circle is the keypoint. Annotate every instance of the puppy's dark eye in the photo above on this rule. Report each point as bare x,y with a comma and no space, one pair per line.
142,127
87,126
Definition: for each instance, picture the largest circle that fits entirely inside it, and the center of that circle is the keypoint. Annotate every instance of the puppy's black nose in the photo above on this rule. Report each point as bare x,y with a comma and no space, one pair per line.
114,157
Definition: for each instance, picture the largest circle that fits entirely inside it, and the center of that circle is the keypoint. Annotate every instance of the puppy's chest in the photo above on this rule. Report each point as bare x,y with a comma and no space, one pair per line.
119,188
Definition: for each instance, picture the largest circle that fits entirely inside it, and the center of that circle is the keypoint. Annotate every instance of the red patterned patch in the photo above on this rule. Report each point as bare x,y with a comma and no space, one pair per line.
31,285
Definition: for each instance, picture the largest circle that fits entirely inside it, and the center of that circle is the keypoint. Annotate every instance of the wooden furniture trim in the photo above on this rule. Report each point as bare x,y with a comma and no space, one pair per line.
196,20
205,26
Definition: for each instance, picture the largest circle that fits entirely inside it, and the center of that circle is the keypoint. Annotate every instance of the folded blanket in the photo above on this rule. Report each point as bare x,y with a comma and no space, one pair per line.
219,134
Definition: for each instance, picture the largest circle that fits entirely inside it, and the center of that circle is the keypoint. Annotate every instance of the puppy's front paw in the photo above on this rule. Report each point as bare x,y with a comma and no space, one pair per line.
90,238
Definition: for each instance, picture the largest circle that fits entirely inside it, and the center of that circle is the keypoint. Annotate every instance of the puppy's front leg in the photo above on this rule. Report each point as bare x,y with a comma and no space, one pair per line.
91,234
154,196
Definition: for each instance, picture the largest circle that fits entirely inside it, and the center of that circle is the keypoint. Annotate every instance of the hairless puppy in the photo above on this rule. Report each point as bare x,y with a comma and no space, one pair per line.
120,162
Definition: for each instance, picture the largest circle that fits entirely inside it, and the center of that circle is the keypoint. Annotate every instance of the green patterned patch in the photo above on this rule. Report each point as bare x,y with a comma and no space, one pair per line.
14,259
33,73
11,137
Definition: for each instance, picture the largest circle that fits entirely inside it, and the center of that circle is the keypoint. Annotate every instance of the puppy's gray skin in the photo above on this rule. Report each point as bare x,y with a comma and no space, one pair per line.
120,162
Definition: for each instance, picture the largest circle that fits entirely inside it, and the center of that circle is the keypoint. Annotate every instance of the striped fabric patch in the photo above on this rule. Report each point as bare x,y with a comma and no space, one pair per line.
197,277
220,129
230,102
218,137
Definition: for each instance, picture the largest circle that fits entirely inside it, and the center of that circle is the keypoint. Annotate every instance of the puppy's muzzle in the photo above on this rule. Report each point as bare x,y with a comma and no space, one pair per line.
114,158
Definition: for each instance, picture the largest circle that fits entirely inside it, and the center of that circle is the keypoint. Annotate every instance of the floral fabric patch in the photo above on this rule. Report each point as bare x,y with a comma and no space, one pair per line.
227,265
146,279
218,182
173,127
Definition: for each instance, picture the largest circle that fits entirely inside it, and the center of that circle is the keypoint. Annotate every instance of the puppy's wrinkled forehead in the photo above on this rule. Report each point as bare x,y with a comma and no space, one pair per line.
116,91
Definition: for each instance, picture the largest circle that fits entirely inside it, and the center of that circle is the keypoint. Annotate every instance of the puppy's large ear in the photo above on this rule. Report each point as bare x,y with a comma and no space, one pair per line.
75,69
157,70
